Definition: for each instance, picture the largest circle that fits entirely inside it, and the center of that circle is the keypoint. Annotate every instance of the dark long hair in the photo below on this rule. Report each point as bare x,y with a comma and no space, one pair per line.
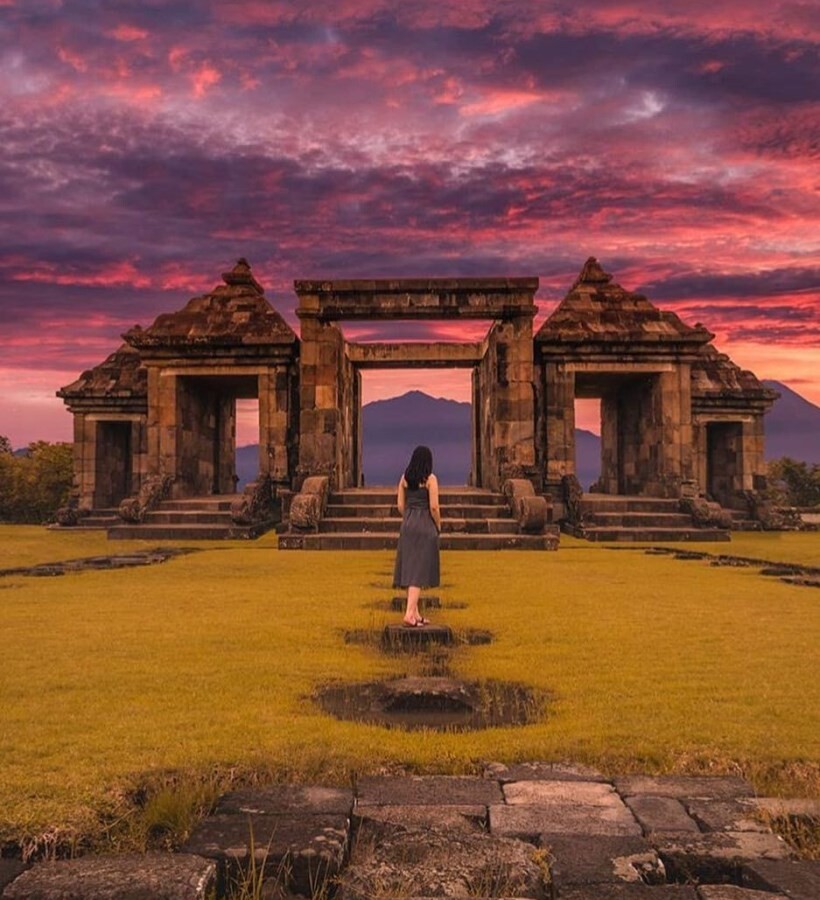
419,467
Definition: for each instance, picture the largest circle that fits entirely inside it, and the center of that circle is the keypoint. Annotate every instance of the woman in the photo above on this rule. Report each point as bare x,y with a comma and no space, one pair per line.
417,558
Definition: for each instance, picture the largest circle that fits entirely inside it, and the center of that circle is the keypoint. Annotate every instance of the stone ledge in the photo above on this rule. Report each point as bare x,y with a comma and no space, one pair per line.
127,877
427,790
683,786
797,880
582,859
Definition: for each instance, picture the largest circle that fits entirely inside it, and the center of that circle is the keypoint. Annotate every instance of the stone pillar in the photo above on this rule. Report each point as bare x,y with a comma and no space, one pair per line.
320,442
671,433
85,459
559,413
610,449
512,406
274,424
475,417
752,463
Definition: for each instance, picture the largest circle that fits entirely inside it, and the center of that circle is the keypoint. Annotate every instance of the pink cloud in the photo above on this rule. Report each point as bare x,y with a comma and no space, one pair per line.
129,33
72,58
204,78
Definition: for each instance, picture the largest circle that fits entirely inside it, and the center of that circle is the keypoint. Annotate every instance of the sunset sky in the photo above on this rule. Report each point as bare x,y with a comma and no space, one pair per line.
146,144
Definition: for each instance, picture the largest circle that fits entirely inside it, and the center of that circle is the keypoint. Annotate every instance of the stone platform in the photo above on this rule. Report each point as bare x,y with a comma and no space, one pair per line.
530,830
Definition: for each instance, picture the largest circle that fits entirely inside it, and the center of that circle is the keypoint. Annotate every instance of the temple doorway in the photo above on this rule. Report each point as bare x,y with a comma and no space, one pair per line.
206,416
114,463
392,426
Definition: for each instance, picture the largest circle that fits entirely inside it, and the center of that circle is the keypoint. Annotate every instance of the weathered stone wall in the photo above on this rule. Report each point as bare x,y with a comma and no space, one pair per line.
321,438
206,427
558,423
278,423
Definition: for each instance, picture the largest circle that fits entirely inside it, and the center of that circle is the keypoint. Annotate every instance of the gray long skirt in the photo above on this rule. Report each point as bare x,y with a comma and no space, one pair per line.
417,557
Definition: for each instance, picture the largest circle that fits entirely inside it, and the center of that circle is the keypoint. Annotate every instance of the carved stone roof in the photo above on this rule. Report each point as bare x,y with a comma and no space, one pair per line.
716,378
234,315
119,376
598,309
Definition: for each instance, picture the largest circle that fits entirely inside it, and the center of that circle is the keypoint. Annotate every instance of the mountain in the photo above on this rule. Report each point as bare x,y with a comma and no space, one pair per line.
392,428
792,426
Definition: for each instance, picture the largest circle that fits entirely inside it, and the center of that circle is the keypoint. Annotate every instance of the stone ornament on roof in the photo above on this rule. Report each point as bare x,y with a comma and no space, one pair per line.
592,273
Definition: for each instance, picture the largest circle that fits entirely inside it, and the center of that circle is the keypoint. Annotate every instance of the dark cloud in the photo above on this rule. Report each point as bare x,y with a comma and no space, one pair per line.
765,284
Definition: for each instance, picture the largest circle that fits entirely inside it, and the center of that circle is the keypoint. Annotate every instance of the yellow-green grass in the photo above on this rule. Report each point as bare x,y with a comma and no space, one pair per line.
205,665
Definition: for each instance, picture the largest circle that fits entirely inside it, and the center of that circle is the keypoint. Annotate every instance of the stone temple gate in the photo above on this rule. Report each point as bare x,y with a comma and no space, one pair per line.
156,421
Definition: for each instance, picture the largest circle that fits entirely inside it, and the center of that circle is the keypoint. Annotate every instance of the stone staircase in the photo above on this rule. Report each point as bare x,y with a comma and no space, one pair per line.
195,518
610,517
367,519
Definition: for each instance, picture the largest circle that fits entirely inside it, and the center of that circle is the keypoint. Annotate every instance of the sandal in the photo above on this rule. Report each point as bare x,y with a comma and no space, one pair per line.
416,624
422,621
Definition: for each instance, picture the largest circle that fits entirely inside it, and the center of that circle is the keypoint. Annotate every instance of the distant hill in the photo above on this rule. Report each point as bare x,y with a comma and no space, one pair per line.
392,428
792,426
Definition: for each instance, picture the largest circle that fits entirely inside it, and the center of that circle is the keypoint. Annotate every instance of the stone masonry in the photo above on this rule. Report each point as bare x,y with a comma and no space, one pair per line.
529,830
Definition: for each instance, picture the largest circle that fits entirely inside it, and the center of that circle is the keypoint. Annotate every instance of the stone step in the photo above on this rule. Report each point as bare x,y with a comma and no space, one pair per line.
389,540
626,503
188,517
170,532
463,496
463,526
448,510
638,520
622,534
208,503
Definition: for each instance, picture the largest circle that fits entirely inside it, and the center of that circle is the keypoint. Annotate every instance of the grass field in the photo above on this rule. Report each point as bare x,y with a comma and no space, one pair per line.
202,669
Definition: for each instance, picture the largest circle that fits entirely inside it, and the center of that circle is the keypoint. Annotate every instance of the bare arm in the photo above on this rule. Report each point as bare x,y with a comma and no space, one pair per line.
435,509
401,495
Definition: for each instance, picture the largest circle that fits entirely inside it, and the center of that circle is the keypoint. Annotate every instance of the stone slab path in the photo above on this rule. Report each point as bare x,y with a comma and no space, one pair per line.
531,830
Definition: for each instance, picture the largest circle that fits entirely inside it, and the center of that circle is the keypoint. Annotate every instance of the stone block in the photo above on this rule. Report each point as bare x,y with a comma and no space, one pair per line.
661,814
731,892
403,637
715,857
725,815
541,771
708,787
287,799
798,880
427,790
158,876
9,870
530,822
429,863
564,793
630,892
583,859
377,818
298,850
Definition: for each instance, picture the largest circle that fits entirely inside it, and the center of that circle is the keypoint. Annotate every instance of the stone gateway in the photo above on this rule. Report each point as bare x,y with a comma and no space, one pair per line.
155,422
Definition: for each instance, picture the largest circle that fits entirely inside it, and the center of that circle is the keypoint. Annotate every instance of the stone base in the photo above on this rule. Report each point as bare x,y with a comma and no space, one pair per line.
405,637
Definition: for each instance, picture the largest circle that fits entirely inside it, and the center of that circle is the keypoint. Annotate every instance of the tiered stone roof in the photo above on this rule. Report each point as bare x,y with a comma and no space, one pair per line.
717,381
235,316
119,380
599,310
